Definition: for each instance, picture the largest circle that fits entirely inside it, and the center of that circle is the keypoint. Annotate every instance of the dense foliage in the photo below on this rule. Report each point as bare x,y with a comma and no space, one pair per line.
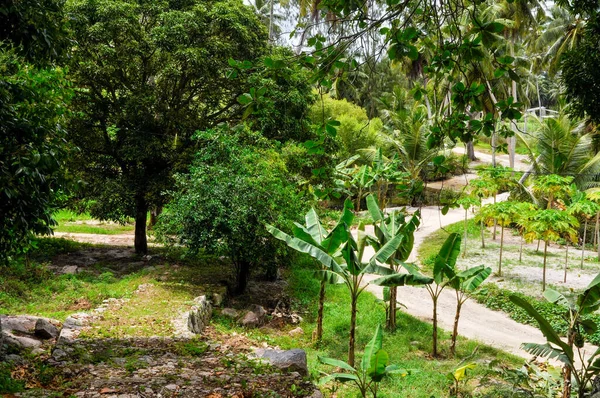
236,184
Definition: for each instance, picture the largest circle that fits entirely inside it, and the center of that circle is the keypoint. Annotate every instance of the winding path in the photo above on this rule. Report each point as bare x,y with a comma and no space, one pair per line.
477,322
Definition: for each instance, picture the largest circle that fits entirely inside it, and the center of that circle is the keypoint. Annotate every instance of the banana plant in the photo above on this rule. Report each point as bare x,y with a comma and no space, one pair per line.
324,246
569,352
459,375
373,368
346,267
386,228
444,271
465,283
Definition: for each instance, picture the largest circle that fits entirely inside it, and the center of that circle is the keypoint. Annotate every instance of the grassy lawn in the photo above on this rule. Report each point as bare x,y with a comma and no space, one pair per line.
71,222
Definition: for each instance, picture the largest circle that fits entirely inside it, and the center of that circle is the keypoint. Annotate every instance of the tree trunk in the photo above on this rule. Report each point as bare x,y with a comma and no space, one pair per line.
141,217
352,342
465,250
319,335
494,143
567,370
596,230
495,223
271,20
583,243
521,249
566,263
538,246
392,311
512,141
471,151
544,272
155,212
482,238
501,248
455,329
243,273
435,331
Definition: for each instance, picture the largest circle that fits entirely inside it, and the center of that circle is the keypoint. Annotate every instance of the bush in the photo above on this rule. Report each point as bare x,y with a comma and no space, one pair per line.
236,184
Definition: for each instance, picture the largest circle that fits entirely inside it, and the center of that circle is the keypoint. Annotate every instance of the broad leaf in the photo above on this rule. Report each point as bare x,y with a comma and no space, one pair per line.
371,349
387,250
474,277
328,276
589,300
446,258
403,280
377,369
460,373
556,298
337,363
313,226
545,327
547,351
373,208
341,377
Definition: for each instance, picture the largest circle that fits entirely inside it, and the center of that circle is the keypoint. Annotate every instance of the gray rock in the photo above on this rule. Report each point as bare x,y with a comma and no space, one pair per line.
289,360
260,311
69,269
45,330
250,320
317,394
59,354
200,314
229,312
296,332
20,342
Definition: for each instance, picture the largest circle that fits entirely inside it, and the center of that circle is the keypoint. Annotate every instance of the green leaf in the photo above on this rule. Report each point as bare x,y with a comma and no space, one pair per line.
313,225
377,369
371,349
589,300
445,261
461,372
336,362
496,27
474,277
403,280
245,99
373,208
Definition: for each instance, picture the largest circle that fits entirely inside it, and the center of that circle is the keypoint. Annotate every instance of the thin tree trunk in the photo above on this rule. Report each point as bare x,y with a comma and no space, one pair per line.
435,331
495,222
567,370
494,143
566,263
596,230
455,329
319,335
392,310
352,341
141,218
271,20
538,246
521,249
482,238
471,151
512,141
243,273
501,249
544,272
583,243
466,217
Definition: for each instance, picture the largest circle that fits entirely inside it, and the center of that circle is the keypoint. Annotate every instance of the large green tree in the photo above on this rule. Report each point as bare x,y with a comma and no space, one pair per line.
33,100
149,74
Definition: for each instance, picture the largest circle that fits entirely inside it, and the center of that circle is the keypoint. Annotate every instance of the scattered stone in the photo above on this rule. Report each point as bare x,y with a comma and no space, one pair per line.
59,354
230,313
317,394
69,269
296,332
200,314
259,310
171,387
45,330
288,360
250,320
20,342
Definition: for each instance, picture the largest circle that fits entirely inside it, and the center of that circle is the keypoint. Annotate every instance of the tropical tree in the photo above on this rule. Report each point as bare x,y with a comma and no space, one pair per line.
586,209
351,269
522,218
570,353
482,188
387,227
504,213
467,201
314,236
549,225
465,283
148,75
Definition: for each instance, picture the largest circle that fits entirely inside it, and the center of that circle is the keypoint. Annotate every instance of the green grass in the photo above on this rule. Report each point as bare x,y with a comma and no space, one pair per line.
71,222
409,347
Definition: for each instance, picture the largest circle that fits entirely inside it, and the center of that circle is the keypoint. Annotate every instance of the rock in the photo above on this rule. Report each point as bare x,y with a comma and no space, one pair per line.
217,299
250,320
296,332
45,330
229,313
19,331
317,394
59,354
259,310
20,342
69,269
171,387
199,315
289,360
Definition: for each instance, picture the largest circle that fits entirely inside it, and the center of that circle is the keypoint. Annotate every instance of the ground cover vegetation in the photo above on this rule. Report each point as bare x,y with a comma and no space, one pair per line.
200,123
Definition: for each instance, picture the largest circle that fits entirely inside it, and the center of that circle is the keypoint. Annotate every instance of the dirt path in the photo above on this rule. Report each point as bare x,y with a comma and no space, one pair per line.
493,328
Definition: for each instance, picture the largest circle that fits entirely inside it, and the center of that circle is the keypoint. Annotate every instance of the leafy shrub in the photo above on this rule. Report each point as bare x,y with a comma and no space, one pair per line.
236,185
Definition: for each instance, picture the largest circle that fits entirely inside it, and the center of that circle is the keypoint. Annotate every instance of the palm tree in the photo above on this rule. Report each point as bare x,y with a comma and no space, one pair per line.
562,148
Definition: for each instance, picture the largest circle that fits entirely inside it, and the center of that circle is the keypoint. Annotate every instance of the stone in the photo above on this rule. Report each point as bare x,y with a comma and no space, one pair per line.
59,354
229,313
69,269
286,360
200,314
296,332
217,299
171,387
317,394
20,342
250,320
45,330
259,310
